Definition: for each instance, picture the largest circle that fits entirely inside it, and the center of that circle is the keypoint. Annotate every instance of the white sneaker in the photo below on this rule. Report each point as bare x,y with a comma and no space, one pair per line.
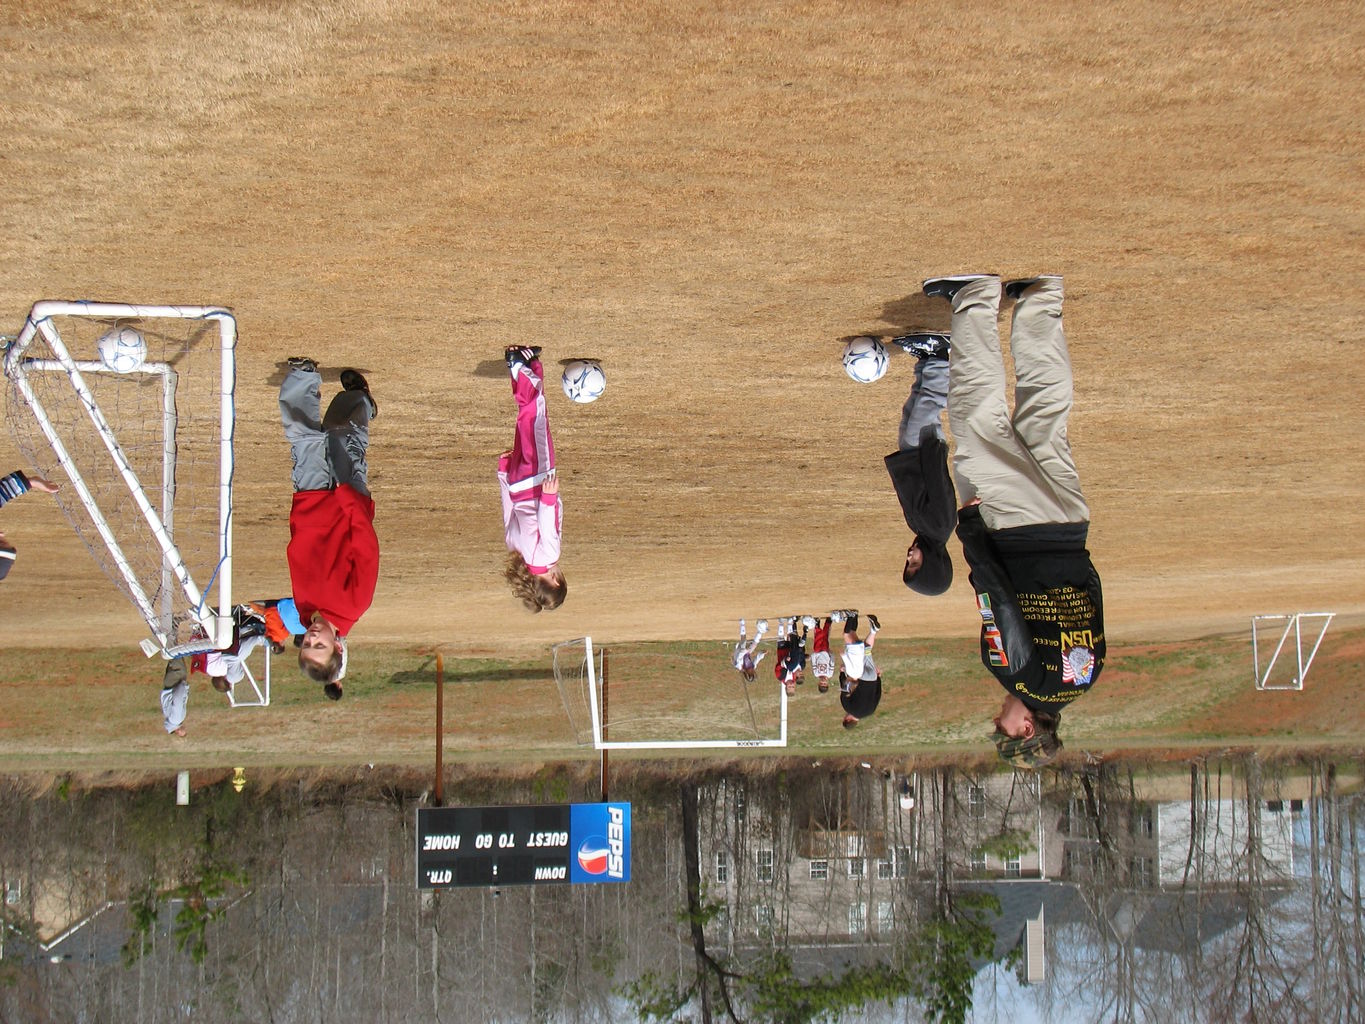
808,621
836,616
762,625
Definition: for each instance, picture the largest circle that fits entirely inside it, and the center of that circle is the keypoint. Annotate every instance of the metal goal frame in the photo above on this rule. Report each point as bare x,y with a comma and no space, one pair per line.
1292,623
216,623
597,698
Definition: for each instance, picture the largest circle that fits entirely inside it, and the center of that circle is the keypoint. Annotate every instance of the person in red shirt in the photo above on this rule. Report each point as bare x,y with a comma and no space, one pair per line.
333,550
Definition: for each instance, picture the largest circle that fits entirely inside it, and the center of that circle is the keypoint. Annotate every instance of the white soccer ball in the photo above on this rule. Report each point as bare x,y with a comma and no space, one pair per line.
583,381
865,360
123,350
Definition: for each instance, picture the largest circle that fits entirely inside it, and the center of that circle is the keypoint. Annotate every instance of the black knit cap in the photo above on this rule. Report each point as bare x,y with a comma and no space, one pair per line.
935,573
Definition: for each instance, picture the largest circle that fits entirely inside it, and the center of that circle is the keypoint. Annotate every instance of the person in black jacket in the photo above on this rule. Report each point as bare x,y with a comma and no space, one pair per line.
860,680
11,486
1024,522
919,469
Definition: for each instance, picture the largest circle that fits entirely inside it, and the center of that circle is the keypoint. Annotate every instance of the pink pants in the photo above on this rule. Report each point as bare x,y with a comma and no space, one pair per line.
533,452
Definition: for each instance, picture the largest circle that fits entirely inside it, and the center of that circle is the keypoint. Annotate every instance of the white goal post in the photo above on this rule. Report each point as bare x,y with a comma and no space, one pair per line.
259,687
1292,623
146,440
579,671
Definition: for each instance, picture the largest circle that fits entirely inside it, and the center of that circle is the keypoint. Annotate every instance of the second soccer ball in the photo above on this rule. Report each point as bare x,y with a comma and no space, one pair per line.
583,381
865,360
123,349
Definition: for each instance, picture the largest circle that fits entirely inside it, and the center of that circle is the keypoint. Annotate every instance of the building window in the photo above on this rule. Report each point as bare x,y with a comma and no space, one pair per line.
857,918
765,865
1141,872
763,917
722,866
819,870
1146,822
1012,866
1078,821
976,802
853,847
978,863
886,917
1082,861
896,865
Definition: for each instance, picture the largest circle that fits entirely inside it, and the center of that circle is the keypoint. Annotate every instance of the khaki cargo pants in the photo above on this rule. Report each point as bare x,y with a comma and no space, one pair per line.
1020,466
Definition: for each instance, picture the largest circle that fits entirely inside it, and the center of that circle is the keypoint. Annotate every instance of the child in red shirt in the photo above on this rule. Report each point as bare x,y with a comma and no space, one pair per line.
333,549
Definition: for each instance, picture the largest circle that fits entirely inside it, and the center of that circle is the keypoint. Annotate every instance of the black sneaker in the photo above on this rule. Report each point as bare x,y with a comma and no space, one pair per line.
1015,288
303,363
949,286
924,346
354,380
520,355
872,621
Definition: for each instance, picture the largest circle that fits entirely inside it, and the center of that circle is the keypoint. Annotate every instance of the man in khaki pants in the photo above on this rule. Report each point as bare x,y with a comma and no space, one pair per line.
1025,522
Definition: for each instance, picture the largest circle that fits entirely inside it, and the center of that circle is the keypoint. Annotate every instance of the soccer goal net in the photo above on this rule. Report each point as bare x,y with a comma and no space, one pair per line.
133,405
664,697
1307,629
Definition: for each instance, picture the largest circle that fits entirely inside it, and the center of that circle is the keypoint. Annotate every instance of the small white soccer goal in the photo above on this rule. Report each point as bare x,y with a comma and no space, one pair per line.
597,712
577,670
1292,623
260,688
134,405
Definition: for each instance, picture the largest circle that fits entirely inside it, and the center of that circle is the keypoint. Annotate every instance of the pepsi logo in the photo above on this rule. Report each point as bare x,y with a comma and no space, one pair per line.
592,855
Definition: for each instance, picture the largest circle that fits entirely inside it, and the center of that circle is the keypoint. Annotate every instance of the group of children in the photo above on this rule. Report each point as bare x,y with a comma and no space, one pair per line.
333,551
860,681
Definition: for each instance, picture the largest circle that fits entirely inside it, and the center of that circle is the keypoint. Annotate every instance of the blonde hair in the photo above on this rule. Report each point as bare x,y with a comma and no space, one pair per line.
537,593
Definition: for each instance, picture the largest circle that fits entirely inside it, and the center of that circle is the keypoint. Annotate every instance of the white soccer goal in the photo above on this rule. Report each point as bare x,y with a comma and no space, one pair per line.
144,434
581,673
577,670
1292,623
260,688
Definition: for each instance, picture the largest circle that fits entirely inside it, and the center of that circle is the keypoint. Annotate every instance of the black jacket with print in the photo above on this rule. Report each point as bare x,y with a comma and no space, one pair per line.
1042,609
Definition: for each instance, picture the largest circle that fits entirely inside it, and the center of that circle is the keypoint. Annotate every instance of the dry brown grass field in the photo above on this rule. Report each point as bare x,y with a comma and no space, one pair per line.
708,197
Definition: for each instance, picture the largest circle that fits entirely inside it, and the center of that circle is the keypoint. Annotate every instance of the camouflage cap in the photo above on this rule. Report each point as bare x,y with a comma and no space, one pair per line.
1027,752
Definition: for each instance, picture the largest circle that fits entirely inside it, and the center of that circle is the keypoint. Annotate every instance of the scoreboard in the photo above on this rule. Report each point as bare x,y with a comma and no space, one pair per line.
522,845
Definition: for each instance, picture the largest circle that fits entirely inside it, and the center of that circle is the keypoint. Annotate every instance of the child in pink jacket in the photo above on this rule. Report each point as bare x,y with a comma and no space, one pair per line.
531,510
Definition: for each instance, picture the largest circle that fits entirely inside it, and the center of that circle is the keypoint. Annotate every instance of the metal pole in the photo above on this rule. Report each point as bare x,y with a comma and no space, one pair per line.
605,797
440,725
